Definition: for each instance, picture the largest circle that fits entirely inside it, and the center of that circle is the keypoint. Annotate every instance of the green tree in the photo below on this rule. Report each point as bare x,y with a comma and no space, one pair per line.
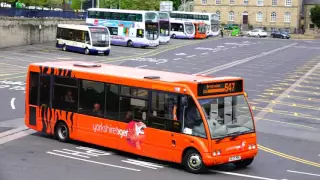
76,4
176,4
315,15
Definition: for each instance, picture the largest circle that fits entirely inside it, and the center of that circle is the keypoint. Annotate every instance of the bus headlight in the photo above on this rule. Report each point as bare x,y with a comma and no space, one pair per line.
252,146
216,153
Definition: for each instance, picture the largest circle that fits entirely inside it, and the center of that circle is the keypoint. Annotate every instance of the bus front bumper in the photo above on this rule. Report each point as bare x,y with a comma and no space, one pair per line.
210,160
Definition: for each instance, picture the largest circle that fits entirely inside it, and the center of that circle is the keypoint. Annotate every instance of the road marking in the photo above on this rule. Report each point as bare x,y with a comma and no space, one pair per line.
143,163
176,59
241,175
288,156
181,54
290,96
13,65
85,153
141,66
287,92
12,103
191,56
288,104
12,131
228,65
94,162
292,124
16,135
297,172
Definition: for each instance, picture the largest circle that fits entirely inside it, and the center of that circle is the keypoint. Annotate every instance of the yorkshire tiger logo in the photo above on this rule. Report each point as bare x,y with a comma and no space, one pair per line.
135,134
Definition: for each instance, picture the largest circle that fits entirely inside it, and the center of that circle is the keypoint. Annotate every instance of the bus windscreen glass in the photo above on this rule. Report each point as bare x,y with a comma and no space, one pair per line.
164,28
100,37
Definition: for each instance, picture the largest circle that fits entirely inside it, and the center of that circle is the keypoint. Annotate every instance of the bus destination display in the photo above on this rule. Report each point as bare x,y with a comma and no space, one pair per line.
220,88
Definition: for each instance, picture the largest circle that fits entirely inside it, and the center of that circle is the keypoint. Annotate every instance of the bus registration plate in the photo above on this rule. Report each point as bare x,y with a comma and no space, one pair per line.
234,158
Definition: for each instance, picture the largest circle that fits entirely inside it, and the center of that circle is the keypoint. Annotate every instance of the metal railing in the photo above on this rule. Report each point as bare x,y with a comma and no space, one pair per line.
36,13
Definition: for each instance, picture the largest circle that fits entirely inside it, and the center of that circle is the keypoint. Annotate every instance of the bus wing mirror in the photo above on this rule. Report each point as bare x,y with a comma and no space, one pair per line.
246,94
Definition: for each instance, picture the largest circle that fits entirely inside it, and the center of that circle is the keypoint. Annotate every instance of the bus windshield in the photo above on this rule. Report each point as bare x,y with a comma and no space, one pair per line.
100,37
164,28
152,25
226,115
189,28
202,28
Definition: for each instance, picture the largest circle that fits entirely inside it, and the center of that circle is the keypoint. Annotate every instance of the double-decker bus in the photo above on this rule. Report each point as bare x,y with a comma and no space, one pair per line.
201,121
210,19
83,38
200,30
164,24
130,28
182,29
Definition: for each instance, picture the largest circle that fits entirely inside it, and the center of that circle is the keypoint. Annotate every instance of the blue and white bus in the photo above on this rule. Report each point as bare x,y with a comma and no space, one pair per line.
164,24
83,39
182,29
210,19
130,28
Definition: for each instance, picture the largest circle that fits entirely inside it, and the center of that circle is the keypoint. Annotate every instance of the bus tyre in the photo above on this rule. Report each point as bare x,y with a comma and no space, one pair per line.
173,36
107,53
86,51
64,47
62,132
129,43
243,163
192,161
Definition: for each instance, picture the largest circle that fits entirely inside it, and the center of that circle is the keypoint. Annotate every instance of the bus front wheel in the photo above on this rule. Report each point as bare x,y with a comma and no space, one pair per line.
243,163
64,47
62,131
129,43
86,51
192,161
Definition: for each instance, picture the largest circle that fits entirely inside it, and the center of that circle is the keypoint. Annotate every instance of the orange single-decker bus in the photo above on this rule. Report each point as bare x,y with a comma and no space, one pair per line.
201,30
197,121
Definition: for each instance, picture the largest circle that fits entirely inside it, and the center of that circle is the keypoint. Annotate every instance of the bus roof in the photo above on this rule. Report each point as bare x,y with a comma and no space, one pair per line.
131,72
118,10
185,12
77,26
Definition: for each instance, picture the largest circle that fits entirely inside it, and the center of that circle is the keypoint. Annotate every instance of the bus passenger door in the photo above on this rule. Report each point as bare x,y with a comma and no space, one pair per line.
43,115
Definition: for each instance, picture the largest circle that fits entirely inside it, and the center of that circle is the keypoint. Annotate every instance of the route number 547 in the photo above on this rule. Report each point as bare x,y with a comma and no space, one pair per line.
229,87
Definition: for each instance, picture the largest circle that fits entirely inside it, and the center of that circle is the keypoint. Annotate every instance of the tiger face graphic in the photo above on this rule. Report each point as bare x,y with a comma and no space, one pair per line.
135,134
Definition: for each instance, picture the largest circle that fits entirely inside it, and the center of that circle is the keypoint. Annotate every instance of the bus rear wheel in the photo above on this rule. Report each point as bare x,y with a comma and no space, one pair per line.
129,43
64,47
192,161
62,132
243,163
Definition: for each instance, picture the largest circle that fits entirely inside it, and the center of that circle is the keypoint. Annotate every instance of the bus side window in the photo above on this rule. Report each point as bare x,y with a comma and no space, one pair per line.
87,38
65,96
133,106
193,123
140,33
112,102
33,88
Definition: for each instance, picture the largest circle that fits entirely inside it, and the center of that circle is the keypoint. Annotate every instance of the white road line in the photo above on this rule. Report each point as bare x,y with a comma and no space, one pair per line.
261,114
303,173
95,162
12,131
138,164
12,103
148,163
63,152
228,65
242,175
176,59
15,136
191,56
141,66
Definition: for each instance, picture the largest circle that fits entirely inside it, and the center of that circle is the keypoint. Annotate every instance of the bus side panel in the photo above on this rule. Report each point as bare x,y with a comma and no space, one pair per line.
96,130
184,141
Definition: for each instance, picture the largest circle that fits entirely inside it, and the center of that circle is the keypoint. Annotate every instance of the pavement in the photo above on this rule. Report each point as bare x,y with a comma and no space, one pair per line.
282,78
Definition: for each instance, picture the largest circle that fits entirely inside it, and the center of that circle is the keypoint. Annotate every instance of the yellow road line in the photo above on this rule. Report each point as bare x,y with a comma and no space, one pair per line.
282,122
15,77
290,96
288,113
13,65
301,86
11,74
289,104
300,160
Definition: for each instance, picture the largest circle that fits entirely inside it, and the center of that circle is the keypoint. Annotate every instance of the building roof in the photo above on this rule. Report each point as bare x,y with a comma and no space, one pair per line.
311,1
131,72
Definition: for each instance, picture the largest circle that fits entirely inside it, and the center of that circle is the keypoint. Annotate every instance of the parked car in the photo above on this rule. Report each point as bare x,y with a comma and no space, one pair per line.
280,34
257,33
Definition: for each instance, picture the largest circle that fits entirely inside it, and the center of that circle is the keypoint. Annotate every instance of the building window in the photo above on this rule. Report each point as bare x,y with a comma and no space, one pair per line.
259,17
288,2
231,16
218,13
274,2
260,2
218,1
204,2
311,26
245,2
287,17
232,2
273,17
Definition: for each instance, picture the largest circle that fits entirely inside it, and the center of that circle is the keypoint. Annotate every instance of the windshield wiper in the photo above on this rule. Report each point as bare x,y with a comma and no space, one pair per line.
231,134
240,133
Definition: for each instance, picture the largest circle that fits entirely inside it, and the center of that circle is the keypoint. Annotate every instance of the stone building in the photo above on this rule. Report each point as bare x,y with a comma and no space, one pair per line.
305,20
269,14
